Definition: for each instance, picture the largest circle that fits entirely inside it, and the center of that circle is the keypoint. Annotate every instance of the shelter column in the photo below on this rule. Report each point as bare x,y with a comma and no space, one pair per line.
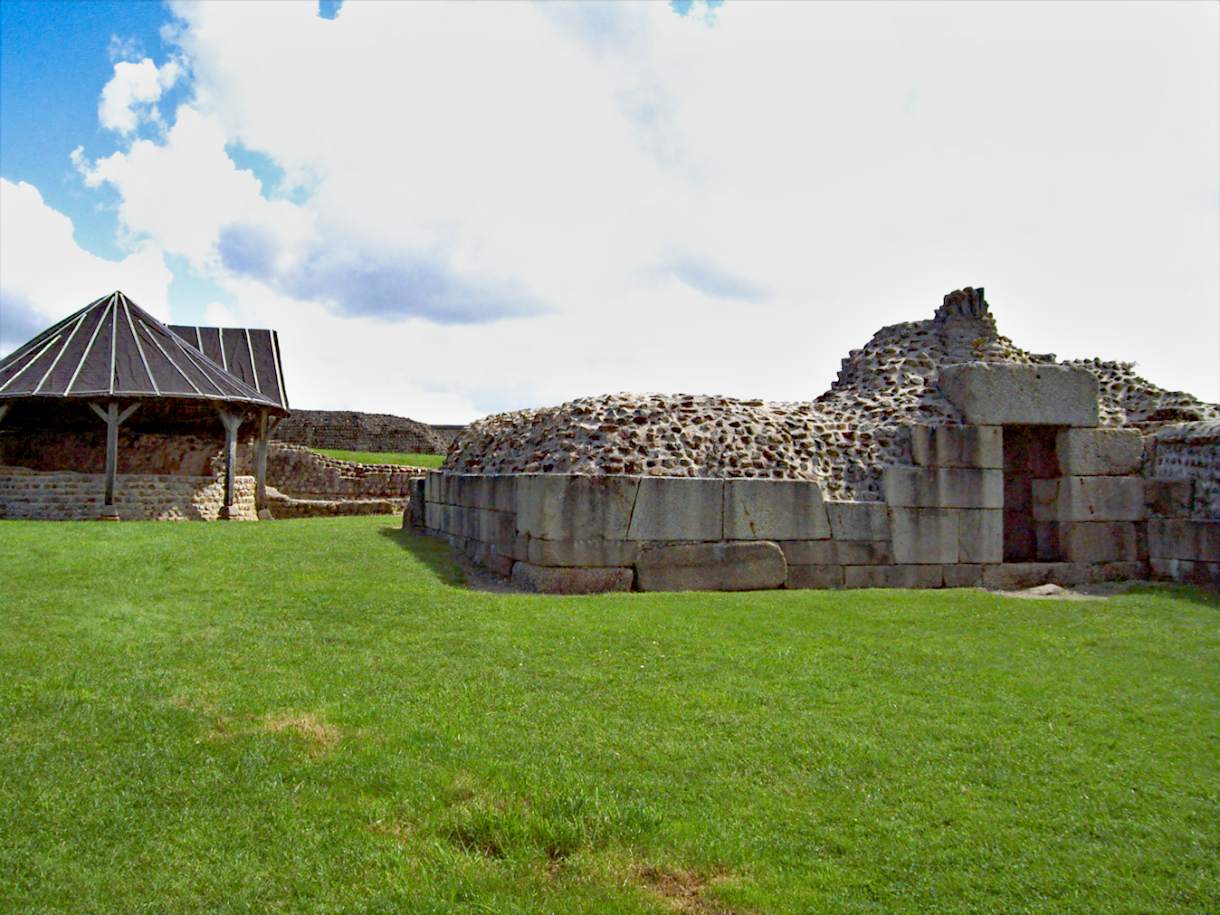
231,421
113,419
3,409
260,464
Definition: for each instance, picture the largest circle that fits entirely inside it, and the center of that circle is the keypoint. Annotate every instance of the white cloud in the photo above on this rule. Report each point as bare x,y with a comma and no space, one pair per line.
129,95
512,205
47,276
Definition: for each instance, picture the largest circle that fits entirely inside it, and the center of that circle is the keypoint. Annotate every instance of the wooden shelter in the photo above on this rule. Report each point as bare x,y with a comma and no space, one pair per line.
112,359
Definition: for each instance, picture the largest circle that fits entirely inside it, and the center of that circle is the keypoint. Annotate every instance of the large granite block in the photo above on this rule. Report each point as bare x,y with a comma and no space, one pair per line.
1169,497
1089,499
1099,541
562,507
837,552
974,447
897,576
814,577
551,580
434,486
1004,393
582,553
1186,570
774,510
858,520
963,576
980,535
1184,538
434,516
502,492
1017,576
673,508
724,566
942,487
493,526
1099,452
924,535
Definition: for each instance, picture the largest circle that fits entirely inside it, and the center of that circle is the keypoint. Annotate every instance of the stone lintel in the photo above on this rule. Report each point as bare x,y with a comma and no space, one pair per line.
1004,393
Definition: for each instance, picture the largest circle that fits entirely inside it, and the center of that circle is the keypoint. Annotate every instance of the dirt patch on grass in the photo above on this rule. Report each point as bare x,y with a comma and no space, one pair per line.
318,737
1080,592
682,891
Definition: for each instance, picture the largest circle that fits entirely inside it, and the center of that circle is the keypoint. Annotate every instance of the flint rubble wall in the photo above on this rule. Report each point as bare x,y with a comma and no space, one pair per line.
65,496
1184,507
347,430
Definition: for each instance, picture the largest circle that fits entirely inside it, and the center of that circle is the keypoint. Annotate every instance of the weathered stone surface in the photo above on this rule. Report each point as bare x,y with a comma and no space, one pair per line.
1099,452
1186,570
1017,576
980,535
555,580
942,487
582,553
1184,538
1002,394
974,447
896,576
724,566
494,527
924,535
858,520
1099,541
1169,497
836,552
434,516
563,507
963,576
1089,499
774,510
677,509
413,515
815,577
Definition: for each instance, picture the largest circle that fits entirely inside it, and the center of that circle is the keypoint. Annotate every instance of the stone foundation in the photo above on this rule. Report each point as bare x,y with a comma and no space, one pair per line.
32,495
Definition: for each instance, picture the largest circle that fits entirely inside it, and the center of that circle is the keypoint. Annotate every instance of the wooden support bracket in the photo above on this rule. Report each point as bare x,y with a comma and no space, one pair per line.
113,419
232,422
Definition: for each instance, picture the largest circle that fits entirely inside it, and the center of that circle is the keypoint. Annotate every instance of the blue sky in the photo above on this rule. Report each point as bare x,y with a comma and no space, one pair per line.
454,209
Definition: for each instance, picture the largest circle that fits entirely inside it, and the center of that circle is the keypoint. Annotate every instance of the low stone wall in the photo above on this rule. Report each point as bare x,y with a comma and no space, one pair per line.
941,524
347,430
64,496
1184,503
301,473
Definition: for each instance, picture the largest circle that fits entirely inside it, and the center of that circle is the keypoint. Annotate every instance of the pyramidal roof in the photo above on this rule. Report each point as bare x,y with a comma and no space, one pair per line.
114,348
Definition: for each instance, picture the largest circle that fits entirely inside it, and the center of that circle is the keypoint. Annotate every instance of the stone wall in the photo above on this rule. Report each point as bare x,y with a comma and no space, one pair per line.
65,496
940,524
346,430
1184,503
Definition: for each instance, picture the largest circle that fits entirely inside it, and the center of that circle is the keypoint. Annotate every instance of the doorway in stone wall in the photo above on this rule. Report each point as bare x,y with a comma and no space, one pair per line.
1029,454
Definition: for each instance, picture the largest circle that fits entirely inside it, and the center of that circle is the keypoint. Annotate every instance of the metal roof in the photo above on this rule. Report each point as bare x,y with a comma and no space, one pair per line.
113,348
253,355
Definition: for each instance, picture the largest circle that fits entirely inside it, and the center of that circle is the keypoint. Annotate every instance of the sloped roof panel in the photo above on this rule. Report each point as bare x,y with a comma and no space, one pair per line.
112,347
253,355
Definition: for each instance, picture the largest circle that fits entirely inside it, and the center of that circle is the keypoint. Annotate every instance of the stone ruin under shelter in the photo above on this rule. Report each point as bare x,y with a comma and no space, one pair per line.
943,456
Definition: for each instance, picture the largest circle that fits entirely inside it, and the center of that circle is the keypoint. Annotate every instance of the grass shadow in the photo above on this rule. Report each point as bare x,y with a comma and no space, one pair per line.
434,553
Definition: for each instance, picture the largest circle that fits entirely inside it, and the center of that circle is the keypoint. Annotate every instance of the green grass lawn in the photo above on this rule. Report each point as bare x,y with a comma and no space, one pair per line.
379,457
315,716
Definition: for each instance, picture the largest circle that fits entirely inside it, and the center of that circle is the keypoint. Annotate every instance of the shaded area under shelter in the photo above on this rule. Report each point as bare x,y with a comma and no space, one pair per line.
112,361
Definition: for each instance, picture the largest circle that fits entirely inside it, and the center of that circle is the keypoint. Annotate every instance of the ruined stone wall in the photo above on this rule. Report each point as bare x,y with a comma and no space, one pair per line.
65,496
346,430
85,451
1184,503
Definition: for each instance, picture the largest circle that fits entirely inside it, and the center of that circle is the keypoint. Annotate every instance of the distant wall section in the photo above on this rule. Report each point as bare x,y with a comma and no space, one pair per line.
347,430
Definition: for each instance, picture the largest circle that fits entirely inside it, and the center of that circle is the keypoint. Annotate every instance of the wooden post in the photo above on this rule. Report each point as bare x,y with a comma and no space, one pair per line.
232,421
113,419
4,409
260,464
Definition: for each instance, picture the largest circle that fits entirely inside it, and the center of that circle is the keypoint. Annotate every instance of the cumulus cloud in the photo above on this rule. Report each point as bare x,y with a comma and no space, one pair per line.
47,276
129,96
565,199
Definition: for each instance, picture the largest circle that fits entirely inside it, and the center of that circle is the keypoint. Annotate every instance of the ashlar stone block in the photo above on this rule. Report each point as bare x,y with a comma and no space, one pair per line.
582,553
774,510
1004,393
858,520
674,508
896,576
725,566
980,535
837,552
1099,452
815,577
925,535
1099,541
974,447
551,580
1089,499
563,507
1169,497
942,487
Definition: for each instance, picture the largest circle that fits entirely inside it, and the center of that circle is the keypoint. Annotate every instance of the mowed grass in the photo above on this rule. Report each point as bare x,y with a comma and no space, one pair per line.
380,457
315,716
